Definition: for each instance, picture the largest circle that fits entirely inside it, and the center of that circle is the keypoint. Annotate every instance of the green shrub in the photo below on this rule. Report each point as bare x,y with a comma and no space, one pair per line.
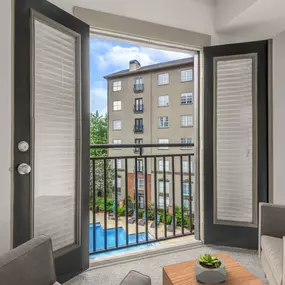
100,204
140,213
168,218
150,215
121,211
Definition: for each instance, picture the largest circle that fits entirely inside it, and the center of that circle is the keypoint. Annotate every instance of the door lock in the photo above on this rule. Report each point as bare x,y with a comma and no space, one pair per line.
24,169
23,146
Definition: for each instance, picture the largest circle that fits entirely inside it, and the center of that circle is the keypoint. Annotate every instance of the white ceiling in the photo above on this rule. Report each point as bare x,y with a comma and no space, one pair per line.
256,19
174,13
265,18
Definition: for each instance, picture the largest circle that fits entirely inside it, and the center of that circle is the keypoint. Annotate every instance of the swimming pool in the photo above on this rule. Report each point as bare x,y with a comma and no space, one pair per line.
111,239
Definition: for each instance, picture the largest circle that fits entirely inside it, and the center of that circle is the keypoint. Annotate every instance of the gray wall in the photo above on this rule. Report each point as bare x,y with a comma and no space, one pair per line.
278,119
5,124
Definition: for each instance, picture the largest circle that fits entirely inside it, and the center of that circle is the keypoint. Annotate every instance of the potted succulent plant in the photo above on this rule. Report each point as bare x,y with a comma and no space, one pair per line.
210,269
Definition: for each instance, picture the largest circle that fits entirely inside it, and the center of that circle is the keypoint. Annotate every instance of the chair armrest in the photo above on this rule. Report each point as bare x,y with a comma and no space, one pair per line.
271,220
31,263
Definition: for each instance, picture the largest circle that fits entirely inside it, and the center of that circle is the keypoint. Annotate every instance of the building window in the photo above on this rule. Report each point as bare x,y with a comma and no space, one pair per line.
161,186
186,98
117,142
186,140
141,201
163,141
139,105
186,203
117,125
138,141
139,165
163,101
140,183
161,165
163,79
185,188
161,201
117,86
119,163
138,81
186,75
117,105
119,182
139,125
163,122
187,121
185,166
138,87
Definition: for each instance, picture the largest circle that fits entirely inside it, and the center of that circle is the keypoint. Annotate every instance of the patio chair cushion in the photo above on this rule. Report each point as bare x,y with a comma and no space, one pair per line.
136,278
272,249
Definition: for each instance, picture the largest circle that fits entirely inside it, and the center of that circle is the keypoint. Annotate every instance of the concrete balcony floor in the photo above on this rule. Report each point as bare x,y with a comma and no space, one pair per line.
112,273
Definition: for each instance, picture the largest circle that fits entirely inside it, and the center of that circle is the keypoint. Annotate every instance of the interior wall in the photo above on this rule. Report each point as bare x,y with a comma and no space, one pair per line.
278,118
191,15
5,124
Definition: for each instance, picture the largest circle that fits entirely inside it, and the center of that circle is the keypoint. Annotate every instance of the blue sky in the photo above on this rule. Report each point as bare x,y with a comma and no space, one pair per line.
110,56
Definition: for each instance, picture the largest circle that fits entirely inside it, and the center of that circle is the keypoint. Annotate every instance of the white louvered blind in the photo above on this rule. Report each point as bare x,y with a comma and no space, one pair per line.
55,135
234,140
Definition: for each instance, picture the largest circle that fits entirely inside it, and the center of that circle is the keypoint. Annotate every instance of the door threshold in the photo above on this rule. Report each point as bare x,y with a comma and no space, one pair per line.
161,249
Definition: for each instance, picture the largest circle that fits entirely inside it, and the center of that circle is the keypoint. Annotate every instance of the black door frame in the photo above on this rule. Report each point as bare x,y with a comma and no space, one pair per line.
78,259
238,236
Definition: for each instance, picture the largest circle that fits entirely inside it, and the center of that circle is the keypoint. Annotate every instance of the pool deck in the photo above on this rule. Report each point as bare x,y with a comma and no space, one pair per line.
141,229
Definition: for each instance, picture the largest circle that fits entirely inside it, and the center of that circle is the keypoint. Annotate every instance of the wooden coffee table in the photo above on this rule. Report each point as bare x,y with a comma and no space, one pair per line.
185,273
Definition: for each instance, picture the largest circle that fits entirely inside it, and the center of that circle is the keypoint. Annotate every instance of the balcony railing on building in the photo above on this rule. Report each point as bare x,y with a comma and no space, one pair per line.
138,109
138,129
138,88
140,199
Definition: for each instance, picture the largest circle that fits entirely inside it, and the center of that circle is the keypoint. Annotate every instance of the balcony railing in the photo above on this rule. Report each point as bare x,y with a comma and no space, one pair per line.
139,88
138,129
152,207
138,109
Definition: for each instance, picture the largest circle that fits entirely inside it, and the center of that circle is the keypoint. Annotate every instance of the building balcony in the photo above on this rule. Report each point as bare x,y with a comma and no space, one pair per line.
138,109
138,88
138,150
138,129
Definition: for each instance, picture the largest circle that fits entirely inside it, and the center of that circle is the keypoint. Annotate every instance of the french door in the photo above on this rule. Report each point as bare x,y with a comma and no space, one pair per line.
51,132
235,142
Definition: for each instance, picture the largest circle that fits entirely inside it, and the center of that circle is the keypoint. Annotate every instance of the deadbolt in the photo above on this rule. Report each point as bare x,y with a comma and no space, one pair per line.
23,146
24,169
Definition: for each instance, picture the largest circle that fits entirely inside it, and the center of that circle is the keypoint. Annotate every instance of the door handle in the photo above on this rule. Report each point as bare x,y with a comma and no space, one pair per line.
24,169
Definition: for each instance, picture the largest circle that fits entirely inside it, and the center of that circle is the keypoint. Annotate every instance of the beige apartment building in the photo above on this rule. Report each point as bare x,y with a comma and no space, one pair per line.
153,105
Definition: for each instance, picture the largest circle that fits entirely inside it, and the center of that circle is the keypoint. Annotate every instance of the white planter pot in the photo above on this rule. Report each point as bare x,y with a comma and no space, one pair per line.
211,275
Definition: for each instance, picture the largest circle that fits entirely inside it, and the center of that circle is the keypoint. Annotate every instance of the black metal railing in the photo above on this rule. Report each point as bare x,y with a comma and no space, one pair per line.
138,109
138,88
138,129
155,203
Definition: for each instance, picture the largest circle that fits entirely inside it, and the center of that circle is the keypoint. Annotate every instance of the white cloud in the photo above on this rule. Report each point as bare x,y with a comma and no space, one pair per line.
164,55
119,57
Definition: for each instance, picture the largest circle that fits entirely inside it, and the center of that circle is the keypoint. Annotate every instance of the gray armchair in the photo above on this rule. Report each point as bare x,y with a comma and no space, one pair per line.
32,264
272,242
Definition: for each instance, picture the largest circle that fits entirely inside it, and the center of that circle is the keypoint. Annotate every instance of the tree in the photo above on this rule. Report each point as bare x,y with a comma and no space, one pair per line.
99,135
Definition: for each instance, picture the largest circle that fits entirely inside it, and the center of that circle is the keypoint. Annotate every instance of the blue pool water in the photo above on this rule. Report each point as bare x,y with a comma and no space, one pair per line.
111,239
